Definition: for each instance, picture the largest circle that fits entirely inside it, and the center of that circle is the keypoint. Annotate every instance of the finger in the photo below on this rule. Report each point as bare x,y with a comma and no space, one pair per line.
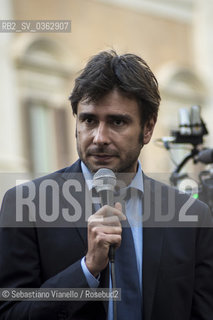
101,221
110,211
111,221
118,206
104,239
108,230
95,219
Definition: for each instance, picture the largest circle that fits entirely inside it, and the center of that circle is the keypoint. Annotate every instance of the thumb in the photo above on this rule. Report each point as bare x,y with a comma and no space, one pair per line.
118,206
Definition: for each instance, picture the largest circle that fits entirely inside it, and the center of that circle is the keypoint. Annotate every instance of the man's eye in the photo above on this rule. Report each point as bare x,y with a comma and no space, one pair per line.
89,121
118,123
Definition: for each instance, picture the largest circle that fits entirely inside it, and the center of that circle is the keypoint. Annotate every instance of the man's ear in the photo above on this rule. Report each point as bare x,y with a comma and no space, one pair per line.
148,130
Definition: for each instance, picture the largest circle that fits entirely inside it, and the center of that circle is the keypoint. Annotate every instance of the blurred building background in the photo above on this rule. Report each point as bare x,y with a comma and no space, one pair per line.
38,69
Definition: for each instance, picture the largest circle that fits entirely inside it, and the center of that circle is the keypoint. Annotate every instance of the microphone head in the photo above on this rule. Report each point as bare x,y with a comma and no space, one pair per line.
103,180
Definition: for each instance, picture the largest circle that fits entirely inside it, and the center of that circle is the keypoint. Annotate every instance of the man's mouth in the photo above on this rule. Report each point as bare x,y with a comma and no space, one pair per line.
102,155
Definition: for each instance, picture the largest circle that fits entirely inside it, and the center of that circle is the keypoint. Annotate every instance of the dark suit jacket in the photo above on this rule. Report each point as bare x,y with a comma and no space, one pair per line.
177,259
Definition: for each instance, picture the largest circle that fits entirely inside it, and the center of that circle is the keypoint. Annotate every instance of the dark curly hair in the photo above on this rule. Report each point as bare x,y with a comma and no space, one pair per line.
128,73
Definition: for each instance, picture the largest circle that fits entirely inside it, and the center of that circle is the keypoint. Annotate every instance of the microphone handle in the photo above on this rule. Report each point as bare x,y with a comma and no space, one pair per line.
111,253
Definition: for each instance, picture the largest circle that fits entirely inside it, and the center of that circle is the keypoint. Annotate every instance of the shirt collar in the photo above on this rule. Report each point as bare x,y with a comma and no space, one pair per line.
88,176
136,183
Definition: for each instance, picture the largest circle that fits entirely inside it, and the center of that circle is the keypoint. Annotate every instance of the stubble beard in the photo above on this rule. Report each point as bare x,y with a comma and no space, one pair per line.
125,167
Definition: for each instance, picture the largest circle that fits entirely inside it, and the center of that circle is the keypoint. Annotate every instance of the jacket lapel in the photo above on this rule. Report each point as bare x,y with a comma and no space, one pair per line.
74,172
152,247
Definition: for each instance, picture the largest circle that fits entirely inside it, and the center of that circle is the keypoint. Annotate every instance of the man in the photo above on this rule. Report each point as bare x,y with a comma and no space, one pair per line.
115,100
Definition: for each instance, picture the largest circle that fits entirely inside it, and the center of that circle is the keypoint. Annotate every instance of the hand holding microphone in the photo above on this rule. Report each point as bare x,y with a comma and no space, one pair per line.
104,227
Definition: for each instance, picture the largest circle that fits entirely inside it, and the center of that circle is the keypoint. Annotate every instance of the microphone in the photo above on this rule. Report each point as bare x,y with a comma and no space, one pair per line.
104,182
205,156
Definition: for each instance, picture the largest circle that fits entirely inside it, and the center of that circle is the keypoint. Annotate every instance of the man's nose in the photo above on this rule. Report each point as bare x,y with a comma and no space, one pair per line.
101,134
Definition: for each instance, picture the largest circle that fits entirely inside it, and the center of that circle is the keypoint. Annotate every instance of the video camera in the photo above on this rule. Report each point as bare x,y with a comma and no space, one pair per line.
191,131
191,127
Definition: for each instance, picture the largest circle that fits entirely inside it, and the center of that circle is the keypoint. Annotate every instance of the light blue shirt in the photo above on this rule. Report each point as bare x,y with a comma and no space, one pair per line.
134,215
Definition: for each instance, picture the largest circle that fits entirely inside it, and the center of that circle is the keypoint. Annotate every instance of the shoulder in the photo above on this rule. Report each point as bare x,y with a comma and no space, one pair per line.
34,197
59,175
174,207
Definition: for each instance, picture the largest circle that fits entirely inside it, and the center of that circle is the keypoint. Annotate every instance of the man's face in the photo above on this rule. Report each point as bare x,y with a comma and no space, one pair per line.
109,133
